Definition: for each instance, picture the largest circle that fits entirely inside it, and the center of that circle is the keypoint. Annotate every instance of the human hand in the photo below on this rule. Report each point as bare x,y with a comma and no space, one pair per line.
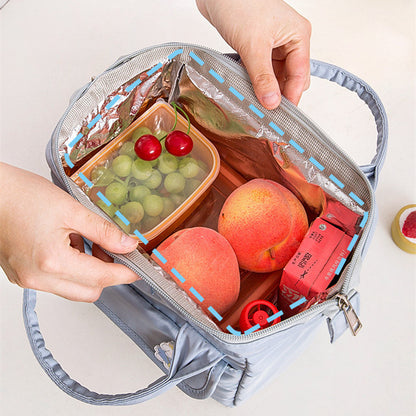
40,240
272,40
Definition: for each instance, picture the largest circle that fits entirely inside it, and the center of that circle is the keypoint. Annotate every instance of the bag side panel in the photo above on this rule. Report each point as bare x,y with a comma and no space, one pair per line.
265,359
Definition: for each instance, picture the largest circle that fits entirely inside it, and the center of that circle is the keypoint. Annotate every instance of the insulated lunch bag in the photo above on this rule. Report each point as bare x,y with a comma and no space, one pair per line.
197,352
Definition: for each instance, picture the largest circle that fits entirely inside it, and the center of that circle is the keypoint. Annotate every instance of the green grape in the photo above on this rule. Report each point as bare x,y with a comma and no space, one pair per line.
122,165
133,211
149,222
168,207
202,165
128,149
174,182
154,180
153,162
124,227
160,134
177,199
102,176
138,193
132,182
191,185
110,211
189,167
153,205
116,193
167,163
139,132
203,170
141,169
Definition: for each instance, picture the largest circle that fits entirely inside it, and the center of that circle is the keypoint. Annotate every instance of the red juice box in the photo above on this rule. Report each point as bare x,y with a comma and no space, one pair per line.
311,269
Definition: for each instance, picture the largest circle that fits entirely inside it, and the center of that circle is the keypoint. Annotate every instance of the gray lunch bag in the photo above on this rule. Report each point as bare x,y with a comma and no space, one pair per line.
197,357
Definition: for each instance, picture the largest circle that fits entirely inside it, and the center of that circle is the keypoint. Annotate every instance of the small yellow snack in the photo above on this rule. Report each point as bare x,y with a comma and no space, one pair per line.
403,229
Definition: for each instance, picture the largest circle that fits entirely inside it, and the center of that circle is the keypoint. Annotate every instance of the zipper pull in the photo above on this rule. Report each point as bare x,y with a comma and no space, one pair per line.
349,312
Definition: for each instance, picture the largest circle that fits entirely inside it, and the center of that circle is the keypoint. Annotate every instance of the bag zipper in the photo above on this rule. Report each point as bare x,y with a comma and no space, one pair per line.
340,299
349,313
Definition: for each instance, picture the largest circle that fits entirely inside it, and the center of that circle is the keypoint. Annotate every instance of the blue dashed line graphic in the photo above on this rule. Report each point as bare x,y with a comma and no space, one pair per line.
356,198
76,140
252,329
215,313
340,266
218,77
175,53
233,331
296,146
141,236
159,256
103,198
86,180
236,93
297,303
364,220
154,69
316,163
277,129
261,115
122,217
68,160
196,58
256,111
336,181
134,85
352,243
275,316
196,294
177,274
113,102
94,121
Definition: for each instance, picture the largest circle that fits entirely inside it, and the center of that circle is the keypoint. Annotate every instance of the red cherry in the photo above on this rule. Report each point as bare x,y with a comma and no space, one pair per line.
178,143
148,147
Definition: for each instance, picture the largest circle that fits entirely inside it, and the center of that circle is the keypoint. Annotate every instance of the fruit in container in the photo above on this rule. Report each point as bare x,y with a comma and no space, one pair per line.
133,211
167,183
167,163
188,167
138,193
121,165
153,205
208,264
141,169
116,192
264,223
174,182
148,147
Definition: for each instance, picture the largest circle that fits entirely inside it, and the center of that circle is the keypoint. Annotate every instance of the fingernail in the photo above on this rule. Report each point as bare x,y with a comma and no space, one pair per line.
271,100
127,241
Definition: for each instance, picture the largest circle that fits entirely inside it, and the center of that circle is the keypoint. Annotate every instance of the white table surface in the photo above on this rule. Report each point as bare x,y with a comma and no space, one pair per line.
50,48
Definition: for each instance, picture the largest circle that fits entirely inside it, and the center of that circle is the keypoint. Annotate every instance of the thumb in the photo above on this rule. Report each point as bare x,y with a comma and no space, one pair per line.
101,231
258,62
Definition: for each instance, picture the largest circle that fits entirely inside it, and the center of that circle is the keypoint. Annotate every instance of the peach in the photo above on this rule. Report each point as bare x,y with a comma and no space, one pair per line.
207,262
264,223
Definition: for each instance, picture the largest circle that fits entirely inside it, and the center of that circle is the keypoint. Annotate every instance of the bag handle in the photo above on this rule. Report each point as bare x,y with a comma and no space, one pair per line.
192,355
348,80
